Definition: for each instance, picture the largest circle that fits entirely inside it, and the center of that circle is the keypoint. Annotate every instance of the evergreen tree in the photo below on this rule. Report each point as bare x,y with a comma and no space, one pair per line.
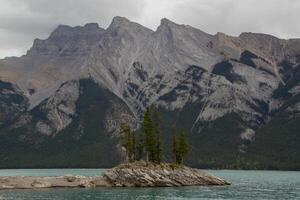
149,137
133,156
152,135
128,141
156,119
149,141
140,147
179,146
182,147
174,145
158,150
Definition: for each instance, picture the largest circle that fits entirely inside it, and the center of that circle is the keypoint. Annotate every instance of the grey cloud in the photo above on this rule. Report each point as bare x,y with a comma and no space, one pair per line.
274,17
23,20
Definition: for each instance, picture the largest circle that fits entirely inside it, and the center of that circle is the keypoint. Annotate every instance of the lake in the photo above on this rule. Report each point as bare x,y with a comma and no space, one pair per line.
245,185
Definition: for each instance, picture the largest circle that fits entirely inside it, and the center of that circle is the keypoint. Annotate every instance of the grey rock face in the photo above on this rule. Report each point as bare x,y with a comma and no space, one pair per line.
116,115
142,174
13,103
126,175
51,62
248,134
68,181
68,41
60,109
171,67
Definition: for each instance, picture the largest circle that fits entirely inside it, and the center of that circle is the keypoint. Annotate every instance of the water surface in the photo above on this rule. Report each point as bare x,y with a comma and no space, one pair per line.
252,185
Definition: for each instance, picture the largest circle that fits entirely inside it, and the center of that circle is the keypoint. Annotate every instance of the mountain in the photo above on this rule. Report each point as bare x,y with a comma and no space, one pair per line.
238,98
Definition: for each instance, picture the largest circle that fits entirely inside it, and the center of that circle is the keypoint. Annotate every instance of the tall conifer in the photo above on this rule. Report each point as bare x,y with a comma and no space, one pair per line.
148,131
182,147
128,141
174,145
157,119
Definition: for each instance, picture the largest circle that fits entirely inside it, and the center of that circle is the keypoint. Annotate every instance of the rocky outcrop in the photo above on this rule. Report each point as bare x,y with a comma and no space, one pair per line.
60,109
19,182
139,174
142,174
13,103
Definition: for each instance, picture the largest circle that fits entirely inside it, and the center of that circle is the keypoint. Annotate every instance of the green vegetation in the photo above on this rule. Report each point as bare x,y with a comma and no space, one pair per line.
150,146
179,147
216,144
157,120
276,144
182,147
212,144
84,143
128,141
149,137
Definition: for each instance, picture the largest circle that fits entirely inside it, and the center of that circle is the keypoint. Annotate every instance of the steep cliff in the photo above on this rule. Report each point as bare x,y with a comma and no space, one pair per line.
66,97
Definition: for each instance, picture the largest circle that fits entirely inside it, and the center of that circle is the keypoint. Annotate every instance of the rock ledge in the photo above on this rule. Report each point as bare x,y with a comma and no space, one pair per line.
142,174
138,174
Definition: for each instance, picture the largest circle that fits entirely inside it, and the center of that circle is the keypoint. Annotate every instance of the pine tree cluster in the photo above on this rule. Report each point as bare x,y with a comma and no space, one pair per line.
149,145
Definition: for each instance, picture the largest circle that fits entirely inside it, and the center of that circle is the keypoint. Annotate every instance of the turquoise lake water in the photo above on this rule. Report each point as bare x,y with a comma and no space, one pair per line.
252,185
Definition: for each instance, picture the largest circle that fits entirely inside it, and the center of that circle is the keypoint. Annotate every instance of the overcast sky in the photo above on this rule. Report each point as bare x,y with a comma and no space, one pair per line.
23,20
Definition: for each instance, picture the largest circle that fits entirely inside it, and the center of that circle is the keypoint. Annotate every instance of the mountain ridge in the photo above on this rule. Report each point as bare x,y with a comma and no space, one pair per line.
198,81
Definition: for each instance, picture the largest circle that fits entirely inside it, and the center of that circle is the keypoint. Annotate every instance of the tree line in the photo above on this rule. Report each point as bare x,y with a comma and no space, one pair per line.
148,144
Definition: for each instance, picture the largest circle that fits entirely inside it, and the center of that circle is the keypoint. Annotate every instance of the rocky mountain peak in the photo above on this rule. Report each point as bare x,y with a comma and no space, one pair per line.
92,26
61,29
249,35
166,22
264,45
167,25
118,21
185,45
122,24
68,31
67,40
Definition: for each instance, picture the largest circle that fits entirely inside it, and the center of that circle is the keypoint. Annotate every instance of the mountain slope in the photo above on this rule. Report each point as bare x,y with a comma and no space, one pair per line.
62,102
70,130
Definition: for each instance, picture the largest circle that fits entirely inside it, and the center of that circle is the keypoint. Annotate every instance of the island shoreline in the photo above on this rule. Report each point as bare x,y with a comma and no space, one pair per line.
138,174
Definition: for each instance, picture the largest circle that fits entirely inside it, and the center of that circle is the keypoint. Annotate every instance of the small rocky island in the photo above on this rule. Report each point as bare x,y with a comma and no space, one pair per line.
137,174
143,174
